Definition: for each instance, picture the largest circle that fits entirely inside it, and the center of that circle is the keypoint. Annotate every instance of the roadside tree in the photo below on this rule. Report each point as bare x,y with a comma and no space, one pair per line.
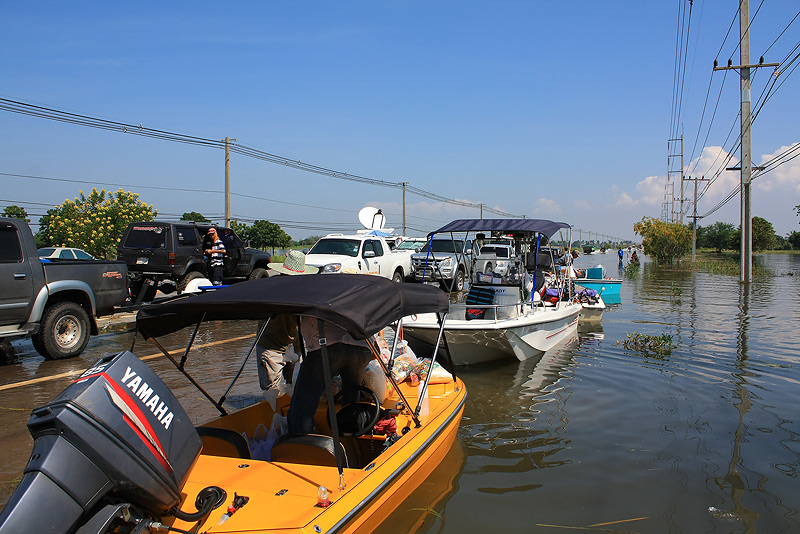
717,236
265,234
95,222
763,234
241,229
793,238
15,212
194,216
664,241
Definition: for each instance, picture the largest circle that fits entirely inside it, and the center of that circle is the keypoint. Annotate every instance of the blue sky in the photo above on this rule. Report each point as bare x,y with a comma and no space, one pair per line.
558,110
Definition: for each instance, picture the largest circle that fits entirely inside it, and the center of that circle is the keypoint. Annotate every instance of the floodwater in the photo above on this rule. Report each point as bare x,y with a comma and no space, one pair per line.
592,436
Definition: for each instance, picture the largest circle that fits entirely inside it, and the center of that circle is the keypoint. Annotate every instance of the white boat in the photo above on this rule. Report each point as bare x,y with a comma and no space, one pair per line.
592,305
503,316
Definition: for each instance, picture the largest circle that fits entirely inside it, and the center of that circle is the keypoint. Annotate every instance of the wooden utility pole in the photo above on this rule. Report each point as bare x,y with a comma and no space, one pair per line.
228,182
405,232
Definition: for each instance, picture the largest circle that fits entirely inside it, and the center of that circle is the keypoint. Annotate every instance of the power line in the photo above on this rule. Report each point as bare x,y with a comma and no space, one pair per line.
23,108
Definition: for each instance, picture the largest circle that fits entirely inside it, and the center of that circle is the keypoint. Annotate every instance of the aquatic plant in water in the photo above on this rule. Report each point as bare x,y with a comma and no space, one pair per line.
646,343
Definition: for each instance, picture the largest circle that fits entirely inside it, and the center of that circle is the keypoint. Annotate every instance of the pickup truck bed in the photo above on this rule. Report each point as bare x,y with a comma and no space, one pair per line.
56,302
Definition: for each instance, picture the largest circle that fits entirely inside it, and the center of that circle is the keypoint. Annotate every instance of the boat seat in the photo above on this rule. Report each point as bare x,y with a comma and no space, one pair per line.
479,296
223,442
314,449
543,262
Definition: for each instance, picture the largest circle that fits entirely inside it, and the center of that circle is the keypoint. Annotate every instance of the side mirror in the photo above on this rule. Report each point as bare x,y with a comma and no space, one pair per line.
369,253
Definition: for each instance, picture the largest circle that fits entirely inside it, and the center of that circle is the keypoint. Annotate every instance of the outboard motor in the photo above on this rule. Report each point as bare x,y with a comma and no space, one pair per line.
115,437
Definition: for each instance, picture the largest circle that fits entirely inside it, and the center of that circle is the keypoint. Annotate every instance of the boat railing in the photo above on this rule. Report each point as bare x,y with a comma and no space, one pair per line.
499,312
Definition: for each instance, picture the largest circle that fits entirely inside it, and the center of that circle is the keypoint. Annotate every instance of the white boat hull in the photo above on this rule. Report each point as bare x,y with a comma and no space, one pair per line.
481,340
592,312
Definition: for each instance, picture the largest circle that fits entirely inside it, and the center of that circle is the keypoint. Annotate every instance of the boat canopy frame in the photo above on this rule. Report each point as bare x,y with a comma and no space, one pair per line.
360,304
518,228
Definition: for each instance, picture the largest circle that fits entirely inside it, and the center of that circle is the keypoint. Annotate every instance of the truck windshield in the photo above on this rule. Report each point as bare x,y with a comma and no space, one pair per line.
410,245
338,247
448,245
146,236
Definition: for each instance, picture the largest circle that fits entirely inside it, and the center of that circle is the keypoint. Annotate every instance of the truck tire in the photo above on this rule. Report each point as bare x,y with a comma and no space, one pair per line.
258,272
64,331
188,277
458,285
398,276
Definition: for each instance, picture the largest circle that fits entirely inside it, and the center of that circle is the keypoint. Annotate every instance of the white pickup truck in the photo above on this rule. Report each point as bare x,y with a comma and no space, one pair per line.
362,253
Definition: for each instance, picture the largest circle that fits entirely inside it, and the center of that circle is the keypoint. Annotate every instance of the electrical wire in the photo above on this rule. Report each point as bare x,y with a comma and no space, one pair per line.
16,106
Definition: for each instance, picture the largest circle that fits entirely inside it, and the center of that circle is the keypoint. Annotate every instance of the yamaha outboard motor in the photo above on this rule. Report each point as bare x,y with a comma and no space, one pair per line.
116,437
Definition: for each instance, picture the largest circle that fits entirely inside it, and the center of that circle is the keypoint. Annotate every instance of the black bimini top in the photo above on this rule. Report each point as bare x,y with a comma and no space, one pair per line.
361,304
542,226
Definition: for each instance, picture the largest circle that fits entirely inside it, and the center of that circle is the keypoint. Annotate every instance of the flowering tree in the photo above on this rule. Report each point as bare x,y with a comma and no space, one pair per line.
96,222
664,241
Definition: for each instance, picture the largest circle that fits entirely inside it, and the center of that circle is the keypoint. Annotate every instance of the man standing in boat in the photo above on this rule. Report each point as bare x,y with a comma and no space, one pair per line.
273,346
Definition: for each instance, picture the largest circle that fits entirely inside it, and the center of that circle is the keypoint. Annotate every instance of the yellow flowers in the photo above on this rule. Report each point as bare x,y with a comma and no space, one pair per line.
95,223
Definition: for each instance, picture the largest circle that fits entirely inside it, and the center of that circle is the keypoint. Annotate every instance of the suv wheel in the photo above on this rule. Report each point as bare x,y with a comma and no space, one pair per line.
258,272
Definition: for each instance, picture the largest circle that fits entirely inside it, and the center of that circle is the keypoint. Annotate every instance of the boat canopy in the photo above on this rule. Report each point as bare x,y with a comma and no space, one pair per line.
359,303
542,226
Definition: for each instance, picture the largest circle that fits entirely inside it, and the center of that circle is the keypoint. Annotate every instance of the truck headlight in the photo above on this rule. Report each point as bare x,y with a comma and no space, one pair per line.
332,268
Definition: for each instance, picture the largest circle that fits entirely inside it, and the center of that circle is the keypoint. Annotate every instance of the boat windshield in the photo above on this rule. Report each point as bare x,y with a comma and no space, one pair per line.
500,252
338,247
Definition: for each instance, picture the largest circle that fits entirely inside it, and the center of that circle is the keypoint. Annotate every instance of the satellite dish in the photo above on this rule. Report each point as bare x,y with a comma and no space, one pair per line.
371,218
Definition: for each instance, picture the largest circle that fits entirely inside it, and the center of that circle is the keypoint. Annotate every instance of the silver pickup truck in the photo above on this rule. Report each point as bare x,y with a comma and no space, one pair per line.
55,302
444,260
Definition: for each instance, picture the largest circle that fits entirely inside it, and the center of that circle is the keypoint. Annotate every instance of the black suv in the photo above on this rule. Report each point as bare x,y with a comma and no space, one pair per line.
167,256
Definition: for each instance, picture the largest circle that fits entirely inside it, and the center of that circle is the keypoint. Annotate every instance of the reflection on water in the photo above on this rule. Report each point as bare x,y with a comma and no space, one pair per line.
703,439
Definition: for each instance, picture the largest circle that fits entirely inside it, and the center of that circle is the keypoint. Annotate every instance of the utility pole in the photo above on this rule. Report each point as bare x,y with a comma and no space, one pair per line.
746,247
694,214
228,181
404,207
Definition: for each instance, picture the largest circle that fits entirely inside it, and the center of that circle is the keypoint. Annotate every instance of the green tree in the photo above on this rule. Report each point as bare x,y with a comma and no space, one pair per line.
194,216
763,234
717,236
96,222
664,241
241,229
793,238
265,234
15,212
308,241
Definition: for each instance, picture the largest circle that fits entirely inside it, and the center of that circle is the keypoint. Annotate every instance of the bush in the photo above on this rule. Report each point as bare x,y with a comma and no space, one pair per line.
663,241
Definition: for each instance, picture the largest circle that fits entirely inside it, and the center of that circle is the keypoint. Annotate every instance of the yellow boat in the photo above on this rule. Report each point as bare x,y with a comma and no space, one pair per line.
115,452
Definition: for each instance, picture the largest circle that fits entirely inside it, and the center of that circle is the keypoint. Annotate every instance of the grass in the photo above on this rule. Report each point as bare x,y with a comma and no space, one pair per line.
726,263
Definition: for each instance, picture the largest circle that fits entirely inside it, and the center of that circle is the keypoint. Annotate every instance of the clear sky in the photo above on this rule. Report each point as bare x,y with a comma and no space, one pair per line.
557,110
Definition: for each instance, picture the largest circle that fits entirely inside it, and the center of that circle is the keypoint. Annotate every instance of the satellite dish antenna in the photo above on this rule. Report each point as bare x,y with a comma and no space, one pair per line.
371,218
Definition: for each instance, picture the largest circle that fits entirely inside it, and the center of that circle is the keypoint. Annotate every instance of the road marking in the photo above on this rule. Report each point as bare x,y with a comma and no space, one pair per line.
78,372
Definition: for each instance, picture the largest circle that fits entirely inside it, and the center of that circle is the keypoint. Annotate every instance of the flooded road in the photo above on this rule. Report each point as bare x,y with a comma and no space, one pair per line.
593,436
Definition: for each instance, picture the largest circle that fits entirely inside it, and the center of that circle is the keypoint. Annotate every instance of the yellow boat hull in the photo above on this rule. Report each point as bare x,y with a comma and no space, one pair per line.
283,495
